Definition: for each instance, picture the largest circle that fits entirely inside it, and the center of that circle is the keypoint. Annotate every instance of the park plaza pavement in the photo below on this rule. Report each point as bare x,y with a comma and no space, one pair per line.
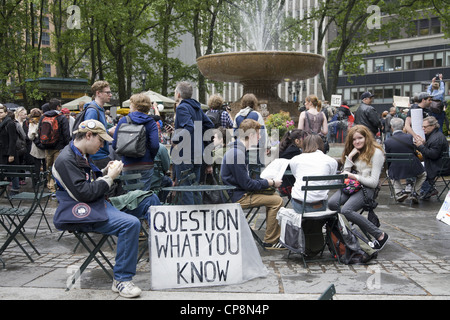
415,264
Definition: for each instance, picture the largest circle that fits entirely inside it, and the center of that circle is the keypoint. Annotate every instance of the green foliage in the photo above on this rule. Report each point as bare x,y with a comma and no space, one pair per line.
281,121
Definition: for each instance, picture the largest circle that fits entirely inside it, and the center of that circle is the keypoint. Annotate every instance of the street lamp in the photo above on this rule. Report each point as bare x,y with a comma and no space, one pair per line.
143,78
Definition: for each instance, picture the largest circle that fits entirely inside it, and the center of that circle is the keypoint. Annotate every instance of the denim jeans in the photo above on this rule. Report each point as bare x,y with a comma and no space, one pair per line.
298,207
126,227
189,197
146,178
142,210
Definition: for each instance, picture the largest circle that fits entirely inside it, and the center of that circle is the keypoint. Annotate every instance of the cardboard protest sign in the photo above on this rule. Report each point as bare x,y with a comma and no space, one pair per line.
401,102
444,213
201,245
336,100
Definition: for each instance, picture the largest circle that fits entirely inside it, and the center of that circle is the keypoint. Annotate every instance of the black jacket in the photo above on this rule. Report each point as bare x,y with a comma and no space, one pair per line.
367,115
403,144
83,181
8,137
432,152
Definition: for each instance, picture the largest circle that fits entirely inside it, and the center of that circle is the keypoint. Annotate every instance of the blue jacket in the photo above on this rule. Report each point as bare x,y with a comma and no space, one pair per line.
190,116
234,172
94,113
437,94
152,138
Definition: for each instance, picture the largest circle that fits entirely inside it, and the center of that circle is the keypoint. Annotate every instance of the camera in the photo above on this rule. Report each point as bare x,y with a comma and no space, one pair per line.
437,75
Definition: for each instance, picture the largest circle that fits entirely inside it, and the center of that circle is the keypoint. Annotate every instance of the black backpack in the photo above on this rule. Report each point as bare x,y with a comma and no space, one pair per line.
131,139
215,117
80,117
351,246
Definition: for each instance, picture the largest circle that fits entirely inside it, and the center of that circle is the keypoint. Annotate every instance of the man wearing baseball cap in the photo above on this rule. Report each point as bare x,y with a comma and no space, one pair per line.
367,115
78,178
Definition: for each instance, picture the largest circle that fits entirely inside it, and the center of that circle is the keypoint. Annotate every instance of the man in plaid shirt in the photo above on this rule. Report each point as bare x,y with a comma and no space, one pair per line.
215,104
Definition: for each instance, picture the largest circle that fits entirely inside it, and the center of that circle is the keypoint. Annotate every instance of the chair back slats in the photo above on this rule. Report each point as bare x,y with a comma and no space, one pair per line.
338,180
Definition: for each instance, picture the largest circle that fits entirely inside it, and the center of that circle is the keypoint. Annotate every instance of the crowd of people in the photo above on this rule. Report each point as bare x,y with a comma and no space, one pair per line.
80,154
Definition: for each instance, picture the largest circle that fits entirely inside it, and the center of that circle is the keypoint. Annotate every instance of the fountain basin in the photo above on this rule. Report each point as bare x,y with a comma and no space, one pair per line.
260,72
268,66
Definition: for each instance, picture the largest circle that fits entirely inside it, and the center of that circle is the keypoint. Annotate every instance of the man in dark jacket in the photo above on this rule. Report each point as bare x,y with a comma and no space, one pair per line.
80,180
432,149
367,115
52,152
401,142
188,145
234,171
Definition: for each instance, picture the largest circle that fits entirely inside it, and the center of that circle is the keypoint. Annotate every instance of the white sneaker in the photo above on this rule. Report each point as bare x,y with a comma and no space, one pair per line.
126,289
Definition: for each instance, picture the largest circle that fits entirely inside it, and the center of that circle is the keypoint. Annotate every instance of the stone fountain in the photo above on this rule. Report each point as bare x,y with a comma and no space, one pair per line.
261,70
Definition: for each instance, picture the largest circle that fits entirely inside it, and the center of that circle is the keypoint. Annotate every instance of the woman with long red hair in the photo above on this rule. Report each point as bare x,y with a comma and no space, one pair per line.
363,161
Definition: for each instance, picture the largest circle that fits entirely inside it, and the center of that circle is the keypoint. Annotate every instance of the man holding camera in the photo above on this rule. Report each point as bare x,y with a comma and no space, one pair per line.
436,91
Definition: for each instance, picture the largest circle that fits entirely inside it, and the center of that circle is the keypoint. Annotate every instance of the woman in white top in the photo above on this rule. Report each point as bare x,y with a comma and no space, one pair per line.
312,162
363,160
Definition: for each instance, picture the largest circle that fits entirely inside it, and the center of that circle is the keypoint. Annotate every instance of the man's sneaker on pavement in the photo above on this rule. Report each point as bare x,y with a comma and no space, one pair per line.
401,196
414,198
379,244
274,246
126,289
429,194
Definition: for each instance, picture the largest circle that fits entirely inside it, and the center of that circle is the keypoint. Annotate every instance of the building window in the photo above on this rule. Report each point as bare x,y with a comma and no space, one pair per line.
45,39
447,58
428,60
417,61
439,59
435,26
370,65
416,88
407,90
45,23
389,63
378,92
407,63
379,65
424,27
47,70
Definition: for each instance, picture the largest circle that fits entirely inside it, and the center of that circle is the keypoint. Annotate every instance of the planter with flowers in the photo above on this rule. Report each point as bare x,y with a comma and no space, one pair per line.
281,121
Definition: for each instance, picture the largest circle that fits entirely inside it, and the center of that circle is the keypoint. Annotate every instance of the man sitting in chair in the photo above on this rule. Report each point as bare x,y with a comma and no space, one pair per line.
79,179
401,142
234,171
432,149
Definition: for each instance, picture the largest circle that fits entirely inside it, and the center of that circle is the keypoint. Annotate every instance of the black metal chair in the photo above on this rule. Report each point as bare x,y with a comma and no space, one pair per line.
330,217
97,245
406,159
443,173
10,214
